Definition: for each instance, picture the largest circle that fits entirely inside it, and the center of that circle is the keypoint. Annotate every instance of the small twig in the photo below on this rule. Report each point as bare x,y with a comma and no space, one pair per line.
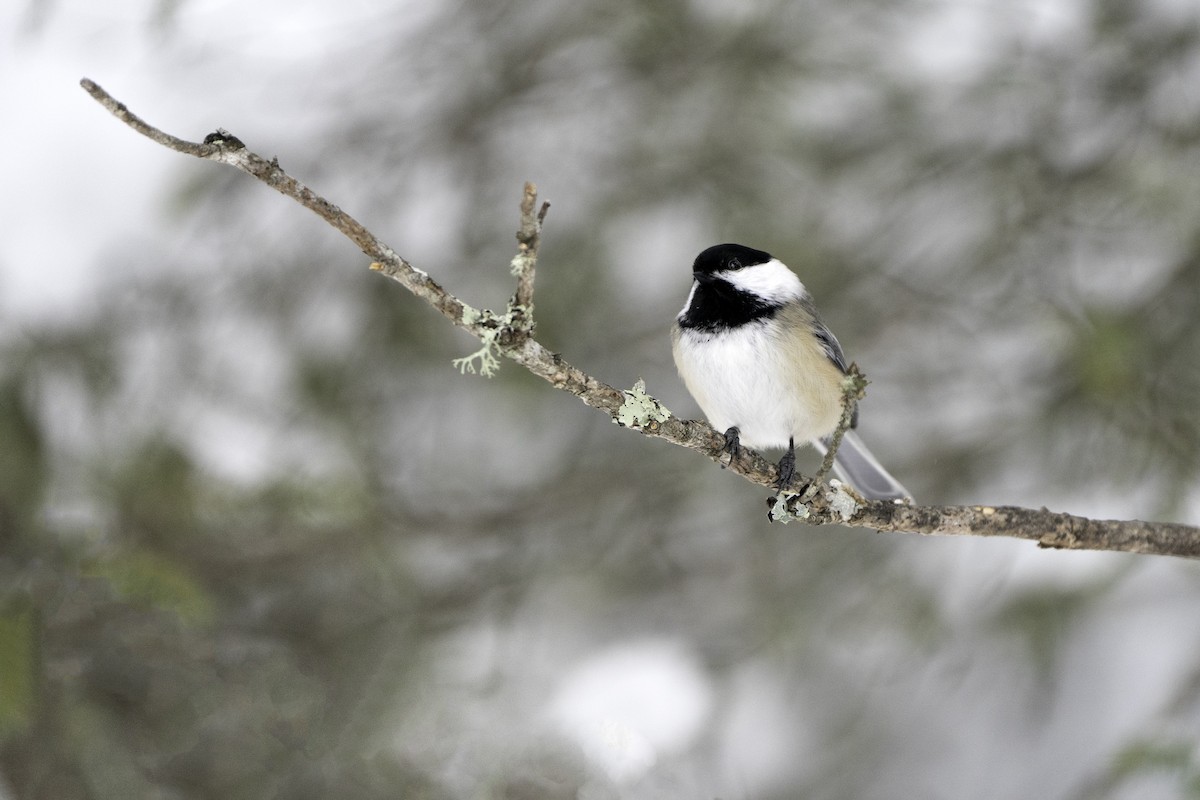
497,332
524,265
854,387
122,113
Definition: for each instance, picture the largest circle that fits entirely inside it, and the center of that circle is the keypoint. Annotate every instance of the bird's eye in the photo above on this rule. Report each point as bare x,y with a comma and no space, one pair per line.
734,264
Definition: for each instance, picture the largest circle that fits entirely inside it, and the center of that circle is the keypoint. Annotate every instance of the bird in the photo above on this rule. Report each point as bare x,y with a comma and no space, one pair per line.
765,369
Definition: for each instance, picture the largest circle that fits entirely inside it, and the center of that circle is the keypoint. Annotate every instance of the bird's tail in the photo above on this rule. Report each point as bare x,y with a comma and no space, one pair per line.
855,465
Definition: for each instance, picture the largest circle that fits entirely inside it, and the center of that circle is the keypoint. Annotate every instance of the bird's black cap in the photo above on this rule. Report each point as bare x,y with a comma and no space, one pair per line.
722,257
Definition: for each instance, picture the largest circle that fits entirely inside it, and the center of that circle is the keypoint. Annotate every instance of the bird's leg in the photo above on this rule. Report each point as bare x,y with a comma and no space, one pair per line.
787,467
733,443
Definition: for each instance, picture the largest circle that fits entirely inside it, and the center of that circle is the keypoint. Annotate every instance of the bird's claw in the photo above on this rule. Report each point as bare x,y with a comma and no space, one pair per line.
787,469
733,445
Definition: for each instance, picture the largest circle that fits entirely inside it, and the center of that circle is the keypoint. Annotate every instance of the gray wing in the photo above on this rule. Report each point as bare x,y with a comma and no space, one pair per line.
833,348
829,342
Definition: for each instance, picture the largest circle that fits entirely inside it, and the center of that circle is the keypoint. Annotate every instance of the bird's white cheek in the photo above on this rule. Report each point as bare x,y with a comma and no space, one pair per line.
771,281
688,304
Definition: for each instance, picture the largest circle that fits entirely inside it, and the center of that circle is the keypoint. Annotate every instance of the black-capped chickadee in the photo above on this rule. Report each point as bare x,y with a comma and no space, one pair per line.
764,368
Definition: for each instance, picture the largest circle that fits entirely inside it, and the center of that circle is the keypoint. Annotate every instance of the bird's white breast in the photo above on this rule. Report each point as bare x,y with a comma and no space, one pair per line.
771,385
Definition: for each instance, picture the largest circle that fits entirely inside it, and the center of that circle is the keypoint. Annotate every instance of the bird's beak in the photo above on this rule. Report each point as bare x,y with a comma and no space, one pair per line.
703,277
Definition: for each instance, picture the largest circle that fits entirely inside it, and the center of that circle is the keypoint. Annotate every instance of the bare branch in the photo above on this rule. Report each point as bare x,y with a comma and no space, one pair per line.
513,344
511,336
122,113
1047,528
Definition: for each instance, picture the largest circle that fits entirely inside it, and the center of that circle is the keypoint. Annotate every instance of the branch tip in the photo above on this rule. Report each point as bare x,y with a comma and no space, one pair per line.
524,265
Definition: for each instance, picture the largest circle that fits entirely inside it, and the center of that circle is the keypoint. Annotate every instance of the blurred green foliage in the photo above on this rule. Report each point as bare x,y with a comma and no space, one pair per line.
1146,765
144,579
23,467
16,671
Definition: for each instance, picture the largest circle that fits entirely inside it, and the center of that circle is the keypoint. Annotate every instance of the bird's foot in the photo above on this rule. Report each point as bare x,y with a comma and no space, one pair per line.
787,468
733,445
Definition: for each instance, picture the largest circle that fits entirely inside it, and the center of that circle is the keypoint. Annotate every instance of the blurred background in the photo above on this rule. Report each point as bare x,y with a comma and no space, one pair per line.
259,539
